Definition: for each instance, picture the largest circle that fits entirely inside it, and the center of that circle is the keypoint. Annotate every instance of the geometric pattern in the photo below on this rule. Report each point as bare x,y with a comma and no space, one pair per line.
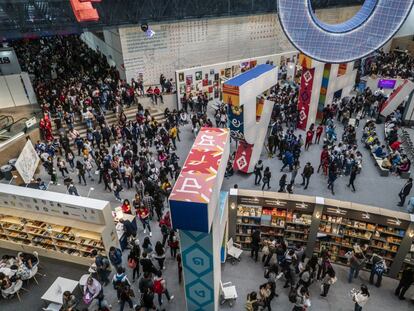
196,251
374,25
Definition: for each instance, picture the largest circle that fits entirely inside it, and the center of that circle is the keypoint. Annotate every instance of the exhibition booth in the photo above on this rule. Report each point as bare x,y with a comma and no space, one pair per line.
318,223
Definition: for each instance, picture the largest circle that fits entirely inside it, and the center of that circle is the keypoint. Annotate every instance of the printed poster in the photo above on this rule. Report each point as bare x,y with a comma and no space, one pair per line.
243,156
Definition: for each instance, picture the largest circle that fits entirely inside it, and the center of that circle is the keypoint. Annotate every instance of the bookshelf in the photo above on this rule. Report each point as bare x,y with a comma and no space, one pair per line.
62,238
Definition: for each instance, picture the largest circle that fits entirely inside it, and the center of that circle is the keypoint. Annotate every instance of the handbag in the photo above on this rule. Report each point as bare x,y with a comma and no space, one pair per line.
132,263
87,298
265,250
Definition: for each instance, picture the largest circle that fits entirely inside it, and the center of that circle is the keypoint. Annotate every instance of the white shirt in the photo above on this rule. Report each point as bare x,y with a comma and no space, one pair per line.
361,299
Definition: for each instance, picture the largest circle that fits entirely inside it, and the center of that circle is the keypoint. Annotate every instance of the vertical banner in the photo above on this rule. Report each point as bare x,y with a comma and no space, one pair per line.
243,157
305,94
324,90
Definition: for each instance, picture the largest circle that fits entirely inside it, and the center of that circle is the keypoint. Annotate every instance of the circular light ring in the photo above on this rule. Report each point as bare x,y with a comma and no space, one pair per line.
374,24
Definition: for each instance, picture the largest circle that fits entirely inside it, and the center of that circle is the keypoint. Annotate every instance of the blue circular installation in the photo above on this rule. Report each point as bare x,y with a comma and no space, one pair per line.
375,23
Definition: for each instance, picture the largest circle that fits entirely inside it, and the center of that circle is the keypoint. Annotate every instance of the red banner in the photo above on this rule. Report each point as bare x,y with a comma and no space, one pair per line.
305,95
243,155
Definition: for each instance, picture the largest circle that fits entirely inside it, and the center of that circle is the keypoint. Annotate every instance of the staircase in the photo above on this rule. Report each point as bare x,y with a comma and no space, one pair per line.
111,118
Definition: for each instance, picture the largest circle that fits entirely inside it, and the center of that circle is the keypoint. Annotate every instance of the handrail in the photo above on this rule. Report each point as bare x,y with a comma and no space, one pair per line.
10,126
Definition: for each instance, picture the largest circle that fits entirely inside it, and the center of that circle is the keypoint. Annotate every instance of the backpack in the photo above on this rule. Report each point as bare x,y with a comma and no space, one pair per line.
249,305
379,268
158,288
119,281
292,294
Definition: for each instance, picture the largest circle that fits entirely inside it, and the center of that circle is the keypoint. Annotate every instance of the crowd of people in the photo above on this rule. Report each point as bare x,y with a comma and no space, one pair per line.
393,64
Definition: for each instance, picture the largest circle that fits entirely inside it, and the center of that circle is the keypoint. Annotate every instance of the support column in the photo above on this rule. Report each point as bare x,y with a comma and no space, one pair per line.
314,229
200,212
403,250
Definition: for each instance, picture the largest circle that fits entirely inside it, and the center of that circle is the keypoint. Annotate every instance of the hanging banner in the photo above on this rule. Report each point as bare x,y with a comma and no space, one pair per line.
231,95
324,91
236,121
305,94
243,156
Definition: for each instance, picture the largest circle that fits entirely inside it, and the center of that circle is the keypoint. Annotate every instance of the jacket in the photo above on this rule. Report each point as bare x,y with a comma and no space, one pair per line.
116,257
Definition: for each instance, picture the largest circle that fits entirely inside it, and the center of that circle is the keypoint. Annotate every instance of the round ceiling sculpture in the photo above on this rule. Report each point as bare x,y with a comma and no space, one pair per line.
375,23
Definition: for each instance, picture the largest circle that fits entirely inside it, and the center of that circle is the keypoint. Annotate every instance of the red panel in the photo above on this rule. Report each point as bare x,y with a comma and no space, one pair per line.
305,95
84,11
243,157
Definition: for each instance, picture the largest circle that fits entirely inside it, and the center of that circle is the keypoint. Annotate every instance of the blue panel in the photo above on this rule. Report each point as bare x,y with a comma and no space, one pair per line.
180,216
374,25
235,116
249,75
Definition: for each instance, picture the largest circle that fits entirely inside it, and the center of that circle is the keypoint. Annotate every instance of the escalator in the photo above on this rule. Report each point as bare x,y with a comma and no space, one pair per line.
11,130
5,121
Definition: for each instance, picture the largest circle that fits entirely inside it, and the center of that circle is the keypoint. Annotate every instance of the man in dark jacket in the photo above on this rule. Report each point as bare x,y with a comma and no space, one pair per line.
407,279
306,175
255,245
405,191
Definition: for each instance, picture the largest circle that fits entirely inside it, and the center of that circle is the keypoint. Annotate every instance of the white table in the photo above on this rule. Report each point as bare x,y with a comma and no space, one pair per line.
56,290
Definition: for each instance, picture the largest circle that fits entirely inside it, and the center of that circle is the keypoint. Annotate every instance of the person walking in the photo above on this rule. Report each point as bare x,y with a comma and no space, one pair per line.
352,177
159,255
119,281
309,138
143,214
126,293
361,297
282,183
115,257
327,281
332,175
103,268
258,168
266,178
405,191
160,288
306,175
133,259
407,279
294,172
378,268
81,172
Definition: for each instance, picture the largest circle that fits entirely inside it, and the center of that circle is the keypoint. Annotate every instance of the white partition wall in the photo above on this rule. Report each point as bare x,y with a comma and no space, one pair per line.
16,90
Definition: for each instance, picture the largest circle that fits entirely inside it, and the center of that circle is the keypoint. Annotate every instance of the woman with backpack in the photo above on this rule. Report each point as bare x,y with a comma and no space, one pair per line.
133,259
160,255
161,288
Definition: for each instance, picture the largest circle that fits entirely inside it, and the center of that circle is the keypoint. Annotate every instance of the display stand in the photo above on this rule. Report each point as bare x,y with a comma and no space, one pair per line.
118,214
56,225
320,223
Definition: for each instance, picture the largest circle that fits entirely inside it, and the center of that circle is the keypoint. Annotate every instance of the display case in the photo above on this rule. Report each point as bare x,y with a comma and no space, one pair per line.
59,226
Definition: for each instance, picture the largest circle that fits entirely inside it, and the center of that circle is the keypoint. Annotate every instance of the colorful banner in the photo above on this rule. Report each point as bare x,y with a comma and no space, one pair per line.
243,156
342,69
235,116
195,187
397,97
324,90
305,61
231,95
305,94
259,108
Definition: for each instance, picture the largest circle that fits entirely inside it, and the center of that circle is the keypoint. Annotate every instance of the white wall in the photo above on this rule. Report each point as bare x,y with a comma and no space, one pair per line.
13,92
408,27
111,47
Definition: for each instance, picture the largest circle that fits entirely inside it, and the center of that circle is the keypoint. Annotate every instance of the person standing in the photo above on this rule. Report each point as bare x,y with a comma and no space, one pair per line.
125,295
160,255
294,172
378,268
255,244
356,262
266,178
81,172
407,279
309,138
405,191
361,297
282,183
319,131
258,168
352,177
306,174
115,257
133,259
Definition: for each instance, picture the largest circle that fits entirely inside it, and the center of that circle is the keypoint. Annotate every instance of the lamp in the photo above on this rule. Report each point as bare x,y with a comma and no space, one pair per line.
233,205
318,215
411,234
90,190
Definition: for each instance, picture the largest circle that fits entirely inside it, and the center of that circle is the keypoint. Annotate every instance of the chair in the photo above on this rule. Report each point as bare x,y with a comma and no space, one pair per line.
234,251
36,254
13,290
228,293
52,307
32,275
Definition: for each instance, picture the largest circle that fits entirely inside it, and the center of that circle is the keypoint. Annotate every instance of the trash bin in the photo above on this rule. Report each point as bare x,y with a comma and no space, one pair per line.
6,171
12,162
